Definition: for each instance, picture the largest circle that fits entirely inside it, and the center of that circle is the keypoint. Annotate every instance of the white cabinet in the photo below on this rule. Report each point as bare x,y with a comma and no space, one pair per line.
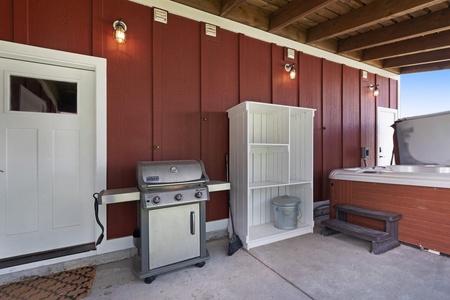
271,154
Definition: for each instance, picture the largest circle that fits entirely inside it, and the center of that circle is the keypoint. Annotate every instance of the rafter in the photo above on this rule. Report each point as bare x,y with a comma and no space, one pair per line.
294,11
426,43
228,6
399,36
426,24
417,59
370,14
426,68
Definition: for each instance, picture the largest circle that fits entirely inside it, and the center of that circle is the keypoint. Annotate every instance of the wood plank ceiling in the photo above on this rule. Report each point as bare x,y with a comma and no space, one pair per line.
401,36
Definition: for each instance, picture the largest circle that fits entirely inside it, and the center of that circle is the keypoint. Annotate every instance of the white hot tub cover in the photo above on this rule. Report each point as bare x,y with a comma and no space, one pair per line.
423,140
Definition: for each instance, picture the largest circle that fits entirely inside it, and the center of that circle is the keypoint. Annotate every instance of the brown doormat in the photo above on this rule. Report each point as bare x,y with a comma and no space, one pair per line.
70,284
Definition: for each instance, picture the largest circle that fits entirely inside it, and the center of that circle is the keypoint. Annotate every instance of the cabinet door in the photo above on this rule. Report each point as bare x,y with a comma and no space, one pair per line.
219,79
351,125
332,120
310,75
174,234
176,92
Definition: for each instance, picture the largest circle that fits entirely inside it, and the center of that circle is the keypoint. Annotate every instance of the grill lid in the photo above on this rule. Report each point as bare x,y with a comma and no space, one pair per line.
152,174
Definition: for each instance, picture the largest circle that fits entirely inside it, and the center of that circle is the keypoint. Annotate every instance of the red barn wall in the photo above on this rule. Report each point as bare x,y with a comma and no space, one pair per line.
170,85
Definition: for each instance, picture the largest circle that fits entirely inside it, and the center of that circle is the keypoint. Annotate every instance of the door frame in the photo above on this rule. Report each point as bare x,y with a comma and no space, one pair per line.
34,54
381,110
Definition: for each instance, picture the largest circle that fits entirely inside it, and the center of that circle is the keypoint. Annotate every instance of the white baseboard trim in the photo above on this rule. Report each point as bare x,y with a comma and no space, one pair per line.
107,251
216,225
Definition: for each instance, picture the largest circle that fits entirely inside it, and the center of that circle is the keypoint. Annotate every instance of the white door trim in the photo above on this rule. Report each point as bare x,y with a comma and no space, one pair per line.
98,65
382,110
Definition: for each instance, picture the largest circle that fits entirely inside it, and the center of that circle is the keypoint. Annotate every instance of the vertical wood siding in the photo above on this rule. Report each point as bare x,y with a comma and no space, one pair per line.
170,85
219,92
176,122
284,89
129,105
310,76
351,123
255,74
7,17
331,120
368,118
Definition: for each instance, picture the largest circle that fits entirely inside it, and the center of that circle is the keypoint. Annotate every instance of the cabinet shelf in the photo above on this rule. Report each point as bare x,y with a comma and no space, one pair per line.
267,233
255,145
271,155
270,184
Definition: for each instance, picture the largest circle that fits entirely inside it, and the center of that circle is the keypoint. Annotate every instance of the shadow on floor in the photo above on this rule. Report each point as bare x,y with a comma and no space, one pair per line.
306,267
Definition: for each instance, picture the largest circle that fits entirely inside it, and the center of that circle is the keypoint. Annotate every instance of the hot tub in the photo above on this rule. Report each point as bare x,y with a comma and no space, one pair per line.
420,192
420,175
418,186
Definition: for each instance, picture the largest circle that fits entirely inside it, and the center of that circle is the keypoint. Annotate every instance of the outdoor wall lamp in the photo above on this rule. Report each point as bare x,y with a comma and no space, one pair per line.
290,68
119,31
375,88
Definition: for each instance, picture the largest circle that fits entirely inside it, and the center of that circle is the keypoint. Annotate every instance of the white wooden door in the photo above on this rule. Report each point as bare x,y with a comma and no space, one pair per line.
385,143
47,163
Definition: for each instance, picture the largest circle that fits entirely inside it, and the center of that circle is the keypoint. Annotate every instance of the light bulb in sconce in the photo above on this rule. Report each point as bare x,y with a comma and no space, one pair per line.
375,88
119,31
291,69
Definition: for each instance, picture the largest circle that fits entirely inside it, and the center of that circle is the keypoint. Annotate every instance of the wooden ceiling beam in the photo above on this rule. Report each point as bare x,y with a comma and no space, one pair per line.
445,65
294,11
228,6
417,59
250,15
368,15
419,42
423,25
426,43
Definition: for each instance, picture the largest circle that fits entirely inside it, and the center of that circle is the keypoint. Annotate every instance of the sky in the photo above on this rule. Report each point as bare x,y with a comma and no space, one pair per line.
424,93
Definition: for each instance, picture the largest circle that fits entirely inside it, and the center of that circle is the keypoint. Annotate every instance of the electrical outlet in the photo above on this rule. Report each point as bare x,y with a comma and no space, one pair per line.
364,152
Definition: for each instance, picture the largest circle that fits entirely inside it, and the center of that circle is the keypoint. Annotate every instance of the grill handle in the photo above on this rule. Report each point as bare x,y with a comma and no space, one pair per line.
192,222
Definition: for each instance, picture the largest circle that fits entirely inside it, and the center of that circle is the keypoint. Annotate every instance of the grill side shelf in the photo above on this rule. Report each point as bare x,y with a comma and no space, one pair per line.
133,194
118,195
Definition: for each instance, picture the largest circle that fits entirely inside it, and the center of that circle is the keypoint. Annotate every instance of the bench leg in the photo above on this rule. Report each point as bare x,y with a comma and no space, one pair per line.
381,247
328,231
392,229
340,215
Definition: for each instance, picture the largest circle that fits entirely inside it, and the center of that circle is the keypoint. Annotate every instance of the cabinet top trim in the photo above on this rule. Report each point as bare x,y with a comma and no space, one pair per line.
266,108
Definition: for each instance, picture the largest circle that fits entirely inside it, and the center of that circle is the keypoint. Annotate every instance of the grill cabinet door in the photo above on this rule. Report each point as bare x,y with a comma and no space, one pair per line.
174,234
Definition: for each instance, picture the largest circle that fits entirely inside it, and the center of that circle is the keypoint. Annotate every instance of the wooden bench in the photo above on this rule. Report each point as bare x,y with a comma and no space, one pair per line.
382,241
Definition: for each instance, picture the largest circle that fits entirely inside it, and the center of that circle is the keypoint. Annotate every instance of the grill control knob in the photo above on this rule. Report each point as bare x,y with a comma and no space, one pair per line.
178,197
156,200
198,195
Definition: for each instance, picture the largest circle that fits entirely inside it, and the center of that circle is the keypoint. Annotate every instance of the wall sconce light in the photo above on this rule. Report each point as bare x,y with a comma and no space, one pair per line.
375,88
290,68
119,31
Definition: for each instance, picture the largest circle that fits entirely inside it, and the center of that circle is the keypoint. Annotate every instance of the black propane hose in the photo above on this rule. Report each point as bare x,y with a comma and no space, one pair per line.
100,238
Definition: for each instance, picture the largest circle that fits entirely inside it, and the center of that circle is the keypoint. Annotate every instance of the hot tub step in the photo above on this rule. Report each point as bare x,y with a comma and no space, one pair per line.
354,230
369,213
382,241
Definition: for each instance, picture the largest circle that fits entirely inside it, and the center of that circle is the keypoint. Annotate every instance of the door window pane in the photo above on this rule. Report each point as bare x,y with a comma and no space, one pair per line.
42,95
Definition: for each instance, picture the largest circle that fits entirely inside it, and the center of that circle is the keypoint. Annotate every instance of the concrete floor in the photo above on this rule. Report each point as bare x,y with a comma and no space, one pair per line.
306,267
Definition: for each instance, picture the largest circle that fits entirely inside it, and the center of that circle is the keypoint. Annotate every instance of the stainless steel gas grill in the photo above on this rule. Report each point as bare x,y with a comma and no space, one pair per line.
171,216
171,212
